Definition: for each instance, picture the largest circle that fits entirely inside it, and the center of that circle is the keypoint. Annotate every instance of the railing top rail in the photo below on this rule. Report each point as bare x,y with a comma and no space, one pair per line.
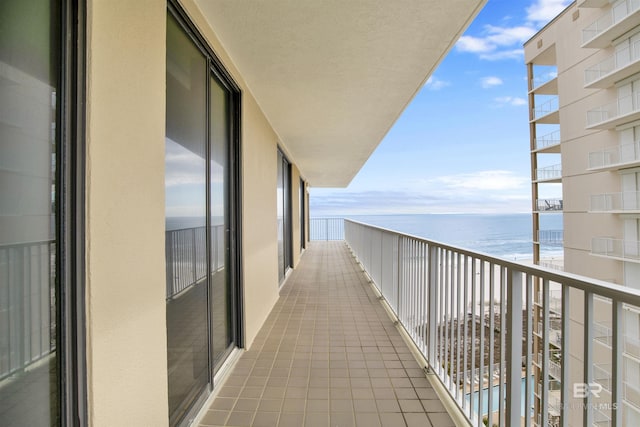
25,244
602,288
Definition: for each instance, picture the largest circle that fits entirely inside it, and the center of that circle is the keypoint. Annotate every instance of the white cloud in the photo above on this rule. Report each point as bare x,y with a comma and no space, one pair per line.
497,42
511,100
494,180
543,11
491,81
489,191
434,83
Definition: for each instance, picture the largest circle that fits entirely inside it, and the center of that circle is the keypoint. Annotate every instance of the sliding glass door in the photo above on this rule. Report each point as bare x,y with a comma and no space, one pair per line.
40,304
201,221
283,196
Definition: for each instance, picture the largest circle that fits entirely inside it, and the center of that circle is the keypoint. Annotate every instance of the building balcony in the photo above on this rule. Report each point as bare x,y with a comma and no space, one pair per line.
626,109
623,156
550,237
552,174
611,25
624,63
619,249
442,299
547,112
549,143
592,3
549,205
626,202
547,85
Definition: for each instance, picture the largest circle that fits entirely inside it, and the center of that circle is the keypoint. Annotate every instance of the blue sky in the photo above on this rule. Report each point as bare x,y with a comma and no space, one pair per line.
462,145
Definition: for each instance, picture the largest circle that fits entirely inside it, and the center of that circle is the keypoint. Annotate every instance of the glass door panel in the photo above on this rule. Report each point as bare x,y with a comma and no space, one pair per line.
280,195
185,209
221,296
30,46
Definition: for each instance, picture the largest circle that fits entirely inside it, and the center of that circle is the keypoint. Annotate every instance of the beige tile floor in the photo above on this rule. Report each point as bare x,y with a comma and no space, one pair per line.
328,355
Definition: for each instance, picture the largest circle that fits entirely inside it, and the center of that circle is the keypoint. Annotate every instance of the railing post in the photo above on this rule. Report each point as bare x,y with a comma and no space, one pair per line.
514,347
432,289
194,248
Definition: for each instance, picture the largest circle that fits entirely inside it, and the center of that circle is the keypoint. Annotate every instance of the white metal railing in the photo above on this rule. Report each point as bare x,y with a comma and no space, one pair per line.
622,106
547,107
620,59
548,140
627,250
27,305
548,173
549,205
544,78
326,229
552,265
620,155
469,313
551,237
602,333
609,19
627,201
186,257
602,374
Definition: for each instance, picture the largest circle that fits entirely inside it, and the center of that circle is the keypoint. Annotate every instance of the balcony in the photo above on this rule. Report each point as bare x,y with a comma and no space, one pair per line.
627,202
611,25
623,250
545,86
624,110
442,299
550,237
592,3
552,174
547,112
625,62
549,143
623,156
549,205
360,321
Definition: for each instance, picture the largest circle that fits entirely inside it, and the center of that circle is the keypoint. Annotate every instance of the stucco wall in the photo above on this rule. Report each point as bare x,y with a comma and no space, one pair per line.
125,283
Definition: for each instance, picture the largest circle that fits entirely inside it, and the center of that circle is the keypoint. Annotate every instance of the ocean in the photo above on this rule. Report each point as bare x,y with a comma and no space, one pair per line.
508,236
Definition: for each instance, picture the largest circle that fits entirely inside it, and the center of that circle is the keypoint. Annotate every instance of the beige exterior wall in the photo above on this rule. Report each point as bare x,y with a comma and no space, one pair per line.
125,284
563,37
126,320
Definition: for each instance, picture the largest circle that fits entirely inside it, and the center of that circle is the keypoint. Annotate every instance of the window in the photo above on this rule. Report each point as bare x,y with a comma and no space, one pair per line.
41,302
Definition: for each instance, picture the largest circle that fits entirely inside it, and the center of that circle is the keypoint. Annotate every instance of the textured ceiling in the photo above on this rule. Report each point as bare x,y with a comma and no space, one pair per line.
333,76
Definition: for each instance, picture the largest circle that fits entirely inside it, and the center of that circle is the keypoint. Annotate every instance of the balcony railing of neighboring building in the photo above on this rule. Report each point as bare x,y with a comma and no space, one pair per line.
546,141
622,155
469,314
186,257
326,229
628,201
623,110
605,73
549,205
612,24
549,173
592,3
551,237
545,84
27,322
546,108
624,250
